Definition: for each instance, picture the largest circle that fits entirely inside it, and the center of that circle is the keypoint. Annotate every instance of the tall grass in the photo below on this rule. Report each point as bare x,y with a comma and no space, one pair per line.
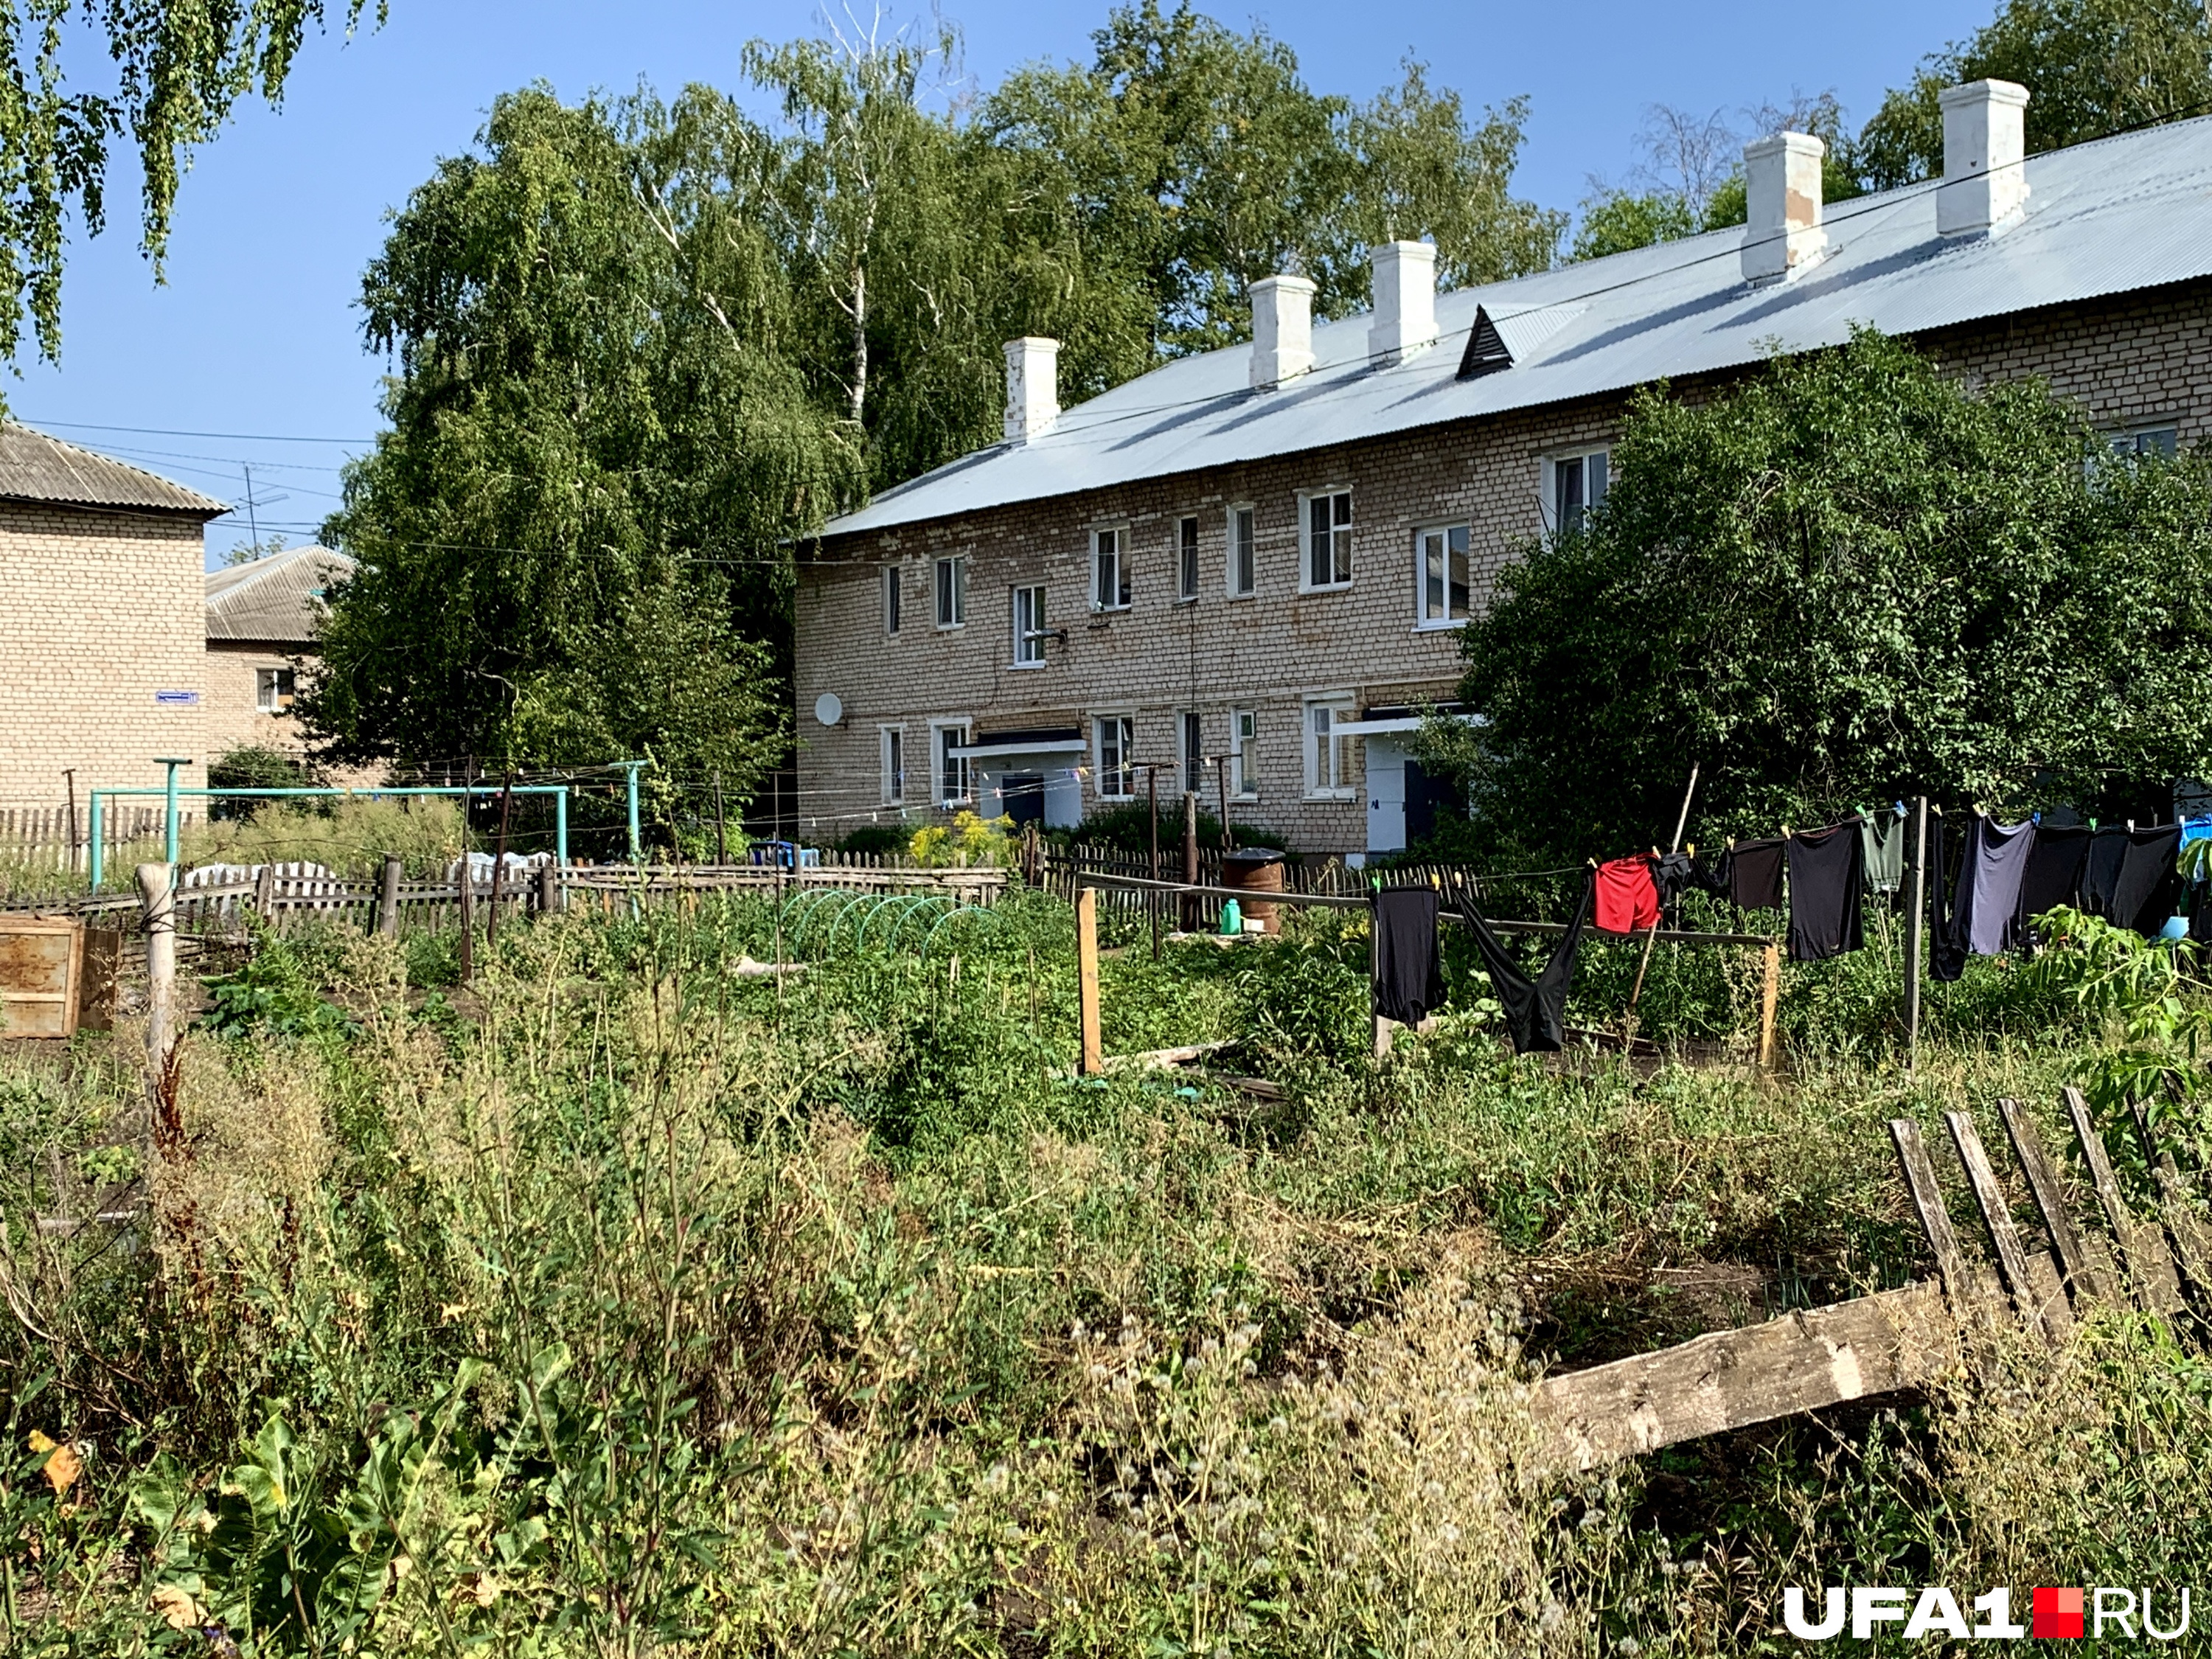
621,1304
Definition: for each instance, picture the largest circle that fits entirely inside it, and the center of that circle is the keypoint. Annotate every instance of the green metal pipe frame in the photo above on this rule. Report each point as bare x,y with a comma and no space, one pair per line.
170,794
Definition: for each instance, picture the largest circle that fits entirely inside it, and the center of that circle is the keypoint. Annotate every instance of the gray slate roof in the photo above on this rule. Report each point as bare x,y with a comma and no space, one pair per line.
275,600
2124,213
35,467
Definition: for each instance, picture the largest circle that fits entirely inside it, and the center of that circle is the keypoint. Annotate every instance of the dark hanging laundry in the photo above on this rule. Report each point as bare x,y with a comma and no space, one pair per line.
1711,875
1409,967
1755,874
2100,871
1627,897
1827,878
1988,897
1674,875
1946,937
2149,886
1536,1009
1882,835
2053,876
2200,911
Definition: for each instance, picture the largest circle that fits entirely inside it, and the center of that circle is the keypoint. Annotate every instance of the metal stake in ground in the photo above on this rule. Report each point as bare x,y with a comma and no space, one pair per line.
69,773
468,888
1221,773
721,846
499,857
1152,805
1190,902
1681,823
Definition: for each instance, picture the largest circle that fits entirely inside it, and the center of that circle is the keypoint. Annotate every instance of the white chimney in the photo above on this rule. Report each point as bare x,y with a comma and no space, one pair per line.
1404,300
1032,388
1282,330
1985,148
1782,233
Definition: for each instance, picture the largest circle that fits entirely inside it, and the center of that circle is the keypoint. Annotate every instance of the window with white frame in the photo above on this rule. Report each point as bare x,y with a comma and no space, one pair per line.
891,740
2146,440
1440,555
1187,558
1109,569
1244,752
1190,746
1030,634
1243,552
948,743
1327,539
272,689
1328,767
952,593
1572,485
1114,736
893,599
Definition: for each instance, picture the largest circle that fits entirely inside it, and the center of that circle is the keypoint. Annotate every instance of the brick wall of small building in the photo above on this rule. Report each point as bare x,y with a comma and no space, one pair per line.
233,718
2134,360
99,610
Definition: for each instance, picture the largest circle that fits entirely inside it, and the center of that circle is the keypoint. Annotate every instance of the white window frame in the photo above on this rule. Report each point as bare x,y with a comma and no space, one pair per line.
894,601
940,762
1229,573
1187,542
1244,753
1029,631
1121,773
1114,594
1548,481
1424,619
269,697
1340,534
951,598
1328,762
891,758
1190,766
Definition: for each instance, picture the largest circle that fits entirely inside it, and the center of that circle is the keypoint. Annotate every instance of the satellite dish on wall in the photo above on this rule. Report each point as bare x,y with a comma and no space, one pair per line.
828,709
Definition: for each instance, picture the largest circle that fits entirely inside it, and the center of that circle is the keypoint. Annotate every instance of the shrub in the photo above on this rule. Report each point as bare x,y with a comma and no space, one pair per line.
348,834
255,766
1130,828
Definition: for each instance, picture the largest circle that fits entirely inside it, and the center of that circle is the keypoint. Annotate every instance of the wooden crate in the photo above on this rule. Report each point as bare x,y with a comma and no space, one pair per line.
41,965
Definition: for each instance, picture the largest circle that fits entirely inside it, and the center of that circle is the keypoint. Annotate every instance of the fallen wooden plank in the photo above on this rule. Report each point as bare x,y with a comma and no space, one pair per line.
1927,1202
2047,1312
1732,1379
2192,1252
2083,1276
2151,1278
1154,1060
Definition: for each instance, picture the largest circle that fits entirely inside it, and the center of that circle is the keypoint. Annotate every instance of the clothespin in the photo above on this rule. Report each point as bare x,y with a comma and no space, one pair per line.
2093,823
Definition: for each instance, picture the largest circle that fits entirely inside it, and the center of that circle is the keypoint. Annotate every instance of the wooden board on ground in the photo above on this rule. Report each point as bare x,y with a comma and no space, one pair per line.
97,981
1732,1379
41,958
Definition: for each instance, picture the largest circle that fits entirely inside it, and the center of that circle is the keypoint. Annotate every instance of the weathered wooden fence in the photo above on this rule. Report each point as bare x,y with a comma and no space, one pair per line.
40,838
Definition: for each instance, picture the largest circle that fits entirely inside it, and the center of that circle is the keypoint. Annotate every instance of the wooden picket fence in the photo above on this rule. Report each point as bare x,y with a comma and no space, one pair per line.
38,838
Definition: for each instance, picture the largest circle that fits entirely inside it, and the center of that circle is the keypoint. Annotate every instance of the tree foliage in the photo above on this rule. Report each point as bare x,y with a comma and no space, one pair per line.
2092,67
179,66
569,535
1848,580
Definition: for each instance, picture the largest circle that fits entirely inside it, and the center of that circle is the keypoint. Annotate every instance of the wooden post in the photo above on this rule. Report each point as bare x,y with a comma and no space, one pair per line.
1769,995
721,841
1221,778
499,856
69,773
467,887
264,894
1189,914
1635,991
1915,919
1086,969
387,896
159,897
1383,1029
1152,898
548,889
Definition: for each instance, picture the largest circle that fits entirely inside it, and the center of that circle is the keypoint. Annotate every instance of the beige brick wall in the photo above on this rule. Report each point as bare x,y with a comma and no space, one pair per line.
231,719
2135,361
99,610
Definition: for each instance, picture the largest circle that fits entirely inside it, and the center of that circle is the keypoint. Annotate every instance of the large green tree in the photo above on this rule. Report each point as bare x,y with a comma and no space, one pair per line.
178,69
1847,580
570,534
2092,67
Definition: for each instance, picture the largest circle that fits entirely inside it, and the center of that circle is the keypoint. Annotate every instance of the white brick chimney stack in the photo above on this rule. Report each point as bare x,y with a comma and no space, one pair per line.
1782,233
1282,330
1404,300
1984,151
1032,388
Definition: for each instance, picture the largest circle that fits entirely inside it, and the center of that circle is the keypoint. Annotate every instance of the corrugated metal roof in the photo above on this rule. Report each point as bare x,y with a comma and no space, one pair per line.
276,600
2124,213
35,467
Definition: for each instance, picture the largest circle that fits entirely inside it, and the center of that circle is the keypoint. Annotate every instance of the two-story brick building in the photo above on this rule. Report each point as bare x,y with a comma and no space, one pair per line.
1261,558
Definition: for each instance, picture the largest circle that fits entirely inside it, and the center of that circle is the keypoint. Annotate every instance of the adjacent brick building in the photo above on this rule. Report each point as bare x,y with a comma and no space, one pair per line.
1259,561
262,620
102,621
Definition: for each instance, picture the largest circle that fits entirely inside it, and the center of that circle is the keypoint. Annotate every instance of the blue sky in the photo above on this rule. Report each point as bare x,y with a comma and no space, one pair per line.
255,333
